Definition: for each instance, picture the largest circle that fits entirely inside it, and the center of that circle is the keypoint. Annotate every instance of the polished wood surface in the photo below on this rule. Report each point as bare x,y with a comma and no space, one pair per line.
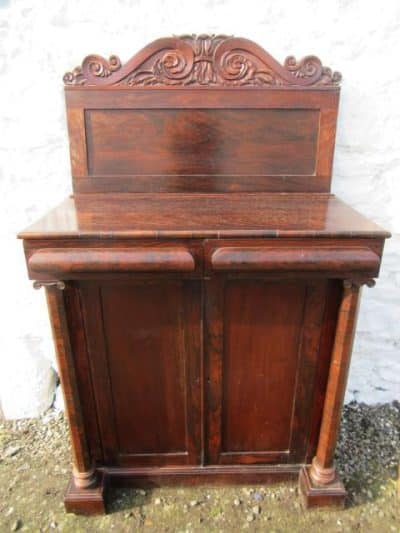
203,215
255,142
253,358
214,172
262,258
82,461
201,60
150,338
220,108
202,281
322,470
61,261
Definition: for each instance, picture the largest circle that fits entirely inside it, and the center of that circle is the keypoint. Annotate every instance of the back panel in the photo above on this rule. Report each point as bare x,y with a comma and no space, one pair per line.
146,126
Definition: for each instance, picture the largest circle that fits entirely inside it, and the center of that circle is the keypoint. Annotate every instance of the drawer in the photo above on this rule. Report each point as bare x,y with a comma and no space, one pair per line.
89,261
314,256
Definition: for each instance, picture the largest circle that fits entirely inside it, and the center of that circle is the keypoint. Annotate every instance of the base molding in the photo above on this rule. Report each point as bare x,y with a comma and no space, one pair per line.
197,475
87,501
330,495
92,500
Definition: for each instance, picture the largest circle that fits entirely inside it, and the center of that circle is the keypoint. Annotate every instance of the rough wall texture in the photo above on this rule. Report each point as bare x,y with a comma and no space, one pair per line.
41,40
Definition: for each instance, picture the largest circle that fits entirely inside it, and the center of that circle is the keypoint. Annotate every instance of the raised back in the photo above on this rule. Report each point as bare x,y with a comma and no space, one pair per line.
201,113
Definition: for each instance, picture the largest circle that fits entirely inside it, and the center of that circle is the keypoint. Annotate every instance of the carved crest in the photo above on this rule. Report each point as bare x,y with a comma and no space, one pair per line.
202,60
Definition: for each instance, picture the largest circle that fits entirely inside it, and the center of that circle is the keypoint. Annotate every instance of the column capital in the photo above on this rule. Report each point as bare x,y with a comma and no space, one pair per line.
357,283
57,284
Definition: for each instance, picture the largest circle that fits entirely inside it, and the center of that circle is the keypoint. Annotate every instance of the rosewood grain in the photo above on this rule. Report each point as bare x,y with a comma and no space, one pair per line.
202,283
311,259
219,113
61,261
255,142
148,352
83,468
167,216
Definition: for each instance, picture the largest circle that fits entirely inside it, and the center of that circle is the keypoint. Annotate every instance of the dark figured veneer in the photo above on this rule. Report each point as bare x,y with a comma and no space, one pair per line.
202,282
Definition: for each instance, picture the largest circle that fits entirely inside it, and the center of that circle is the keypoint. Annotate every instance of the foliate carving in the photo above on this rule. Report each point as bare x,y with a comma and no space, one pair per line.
202,60
191,62
60,285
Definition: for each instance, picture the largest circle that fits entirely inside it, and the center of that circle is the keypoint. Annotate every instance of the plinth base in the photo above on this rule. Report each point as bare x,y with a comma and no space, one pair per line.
330,495
86,501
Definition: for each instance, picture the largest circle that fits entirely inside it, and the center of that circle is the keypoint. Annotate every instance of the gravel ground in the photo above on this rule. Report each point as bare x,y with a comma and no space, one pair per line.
34,467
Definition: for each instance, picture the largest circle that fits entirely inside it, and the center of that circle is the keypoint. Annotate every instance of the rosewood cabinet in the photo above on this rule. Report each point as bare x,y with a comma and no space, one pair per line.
202,281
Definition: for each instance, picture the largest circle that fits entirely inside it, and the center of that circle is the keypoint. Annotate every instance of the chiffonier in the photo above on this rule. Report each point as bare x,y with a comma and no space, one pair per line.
202,281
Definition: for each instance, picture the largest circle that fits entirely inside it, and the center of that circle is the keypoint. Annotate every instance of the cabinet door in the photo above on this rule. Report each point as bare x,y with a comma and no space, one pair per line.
143,341
262,340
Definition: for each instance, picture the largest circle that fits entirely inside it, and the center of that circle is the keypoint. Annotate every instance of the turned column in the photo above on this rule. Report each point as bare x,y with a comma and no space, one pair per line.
322,471
83,469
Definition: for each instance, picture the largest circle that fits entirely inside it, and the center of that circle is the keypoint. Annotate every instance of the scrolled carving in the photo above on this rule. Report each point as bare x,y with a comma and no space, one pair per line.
75,77
349,283
93,67
60,285
204,60
170,68
310,67
237,69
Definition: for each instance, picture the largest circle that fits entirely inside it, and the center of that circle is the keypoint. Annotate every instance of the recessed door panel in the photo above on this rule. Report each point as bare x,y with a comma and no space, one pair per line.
262,327
151,342
263,339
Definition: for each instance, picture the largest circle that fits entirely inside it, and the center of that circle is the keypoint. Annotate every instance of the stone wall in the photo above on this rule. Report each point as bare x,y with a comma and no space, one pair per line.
39,40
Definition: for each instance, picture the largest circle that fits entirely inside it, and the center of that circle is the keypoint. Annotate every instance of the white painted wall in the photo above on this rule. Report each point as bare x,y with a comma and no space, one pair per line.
41,39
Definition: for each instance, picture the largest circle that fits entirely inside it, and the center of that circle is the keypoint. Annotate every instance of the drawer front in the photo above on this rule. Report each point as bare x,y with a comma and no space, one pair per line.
80,260
336,258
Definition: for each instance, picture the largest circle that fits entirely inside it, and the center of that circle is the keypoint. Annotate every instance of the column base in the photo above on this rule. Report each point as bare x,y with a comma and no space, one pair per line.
87,501
332,494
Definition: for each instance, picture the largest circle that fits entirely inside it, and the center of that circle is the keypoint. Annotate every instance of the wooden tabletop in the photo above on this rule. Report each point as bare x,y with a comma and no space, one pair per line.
215,215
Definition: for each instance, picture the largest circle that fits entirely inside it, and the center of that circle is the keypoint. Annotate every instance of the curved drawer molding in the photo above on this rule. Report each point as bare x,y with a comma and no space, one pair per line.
84,260
306,259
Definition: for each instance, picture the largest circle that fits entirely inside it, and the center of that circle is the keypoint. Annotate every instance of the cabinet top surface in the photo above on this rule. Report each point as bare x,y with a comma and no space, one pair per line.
209,215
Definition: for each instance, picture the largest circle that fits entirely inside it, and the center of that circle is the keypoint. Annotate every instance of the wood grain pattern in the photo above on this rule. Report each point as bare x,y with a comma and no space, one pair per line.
332,304
188,216
149,331
323,471
276,124
198,142
202,282
149,477
80,355
261,337
61,261
319,483
84,475
254,329
311,259
90,501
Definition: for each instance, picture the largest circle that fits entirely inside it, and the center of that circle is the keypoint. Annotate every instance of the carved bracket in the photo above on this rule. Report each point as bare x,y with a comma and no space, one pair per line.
60,285
348,283
202,60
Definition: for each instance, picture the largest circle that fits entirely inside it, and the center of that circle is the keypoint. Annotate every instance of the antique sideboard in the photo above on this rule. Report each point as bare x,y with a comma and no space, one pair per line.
202,281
